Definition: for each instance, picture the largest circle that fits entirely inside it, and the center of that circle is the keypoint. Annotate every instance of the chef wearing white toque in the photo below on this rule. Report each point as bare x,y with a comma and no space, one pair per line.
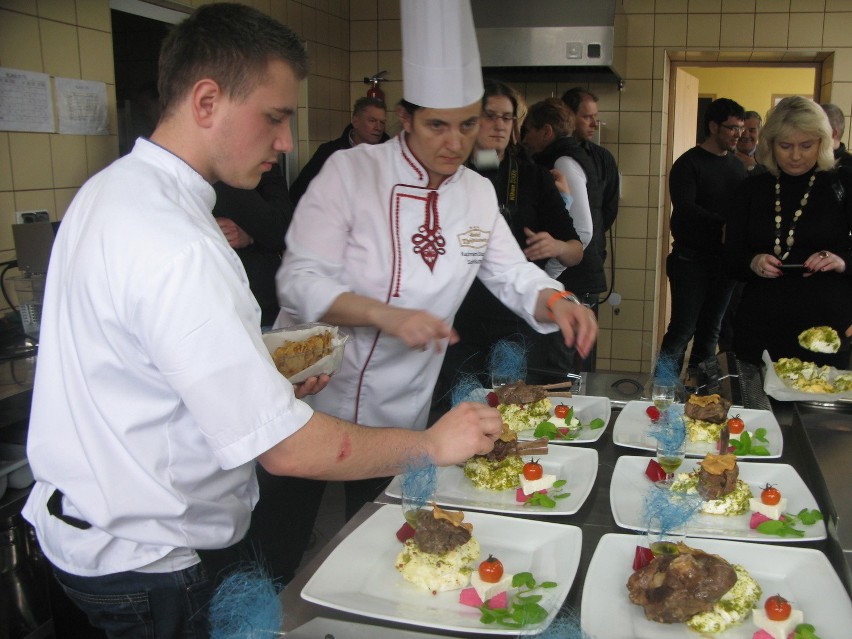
388,238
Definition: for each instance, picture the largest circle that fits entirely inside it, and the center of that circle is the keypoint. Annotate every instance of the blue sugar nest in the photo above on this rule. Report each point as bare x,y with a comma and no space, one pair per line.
666,371
246,606
670,429
566,625
669,510
508,360
418,483
468,388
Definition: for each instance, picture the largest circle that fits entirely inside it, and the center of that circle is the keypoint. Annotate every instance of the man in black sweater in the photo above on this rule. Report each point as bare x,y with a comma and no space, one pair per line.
701,183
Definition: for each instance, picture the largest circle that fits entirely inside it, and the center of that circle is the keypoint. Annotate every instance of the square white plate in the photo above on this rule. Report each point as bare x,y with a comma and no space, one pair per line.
801,575
632,426
630,485
578,466
359,576
586,408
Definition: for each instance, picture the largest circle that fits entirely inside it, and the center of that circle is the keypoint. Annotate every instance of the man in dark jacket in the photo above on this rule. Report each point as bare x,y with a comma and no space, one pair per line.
367,127
701,183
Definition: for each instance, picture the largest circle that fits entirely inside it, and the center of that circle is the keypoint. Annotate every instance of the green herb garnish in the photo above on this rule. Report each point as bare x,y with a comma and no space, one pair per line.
746,445
596,423
523,608
804,631
548,429
546,500
786,527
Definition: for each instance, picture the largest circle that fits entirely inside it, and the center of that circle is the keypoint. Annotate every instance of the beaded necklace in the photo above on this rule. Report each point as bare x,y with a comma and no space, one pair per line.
796,215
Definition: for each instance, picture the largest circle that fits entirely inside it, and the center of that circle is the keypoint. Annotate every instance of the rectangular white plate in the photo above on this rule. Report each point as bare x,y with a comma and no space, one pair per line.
578,466
359,575
801,575
632,425
586,408
630,485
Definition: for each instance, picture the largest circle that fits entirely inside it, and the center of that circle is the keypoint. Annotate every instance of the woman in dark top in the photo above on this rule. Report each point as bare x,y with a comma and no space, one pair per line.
788,238
539,220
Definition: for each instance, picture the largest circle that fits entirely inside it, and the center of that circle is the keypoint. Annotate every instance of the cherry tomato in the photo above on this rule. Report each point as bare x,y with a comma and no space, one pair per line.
770,495
561,411
777,608
653,412
533,470
492,399
491,570
736,425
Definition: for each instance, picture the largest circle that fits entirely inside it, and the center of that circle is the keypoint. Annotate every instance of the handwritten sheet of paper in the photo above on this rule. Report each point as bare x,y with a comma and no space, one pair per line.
82,107
25,101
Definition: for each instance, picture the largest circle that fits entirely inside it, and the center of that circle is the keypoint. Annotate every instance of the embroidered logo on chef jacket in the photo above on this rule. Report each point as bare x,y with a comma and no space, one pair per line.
473,243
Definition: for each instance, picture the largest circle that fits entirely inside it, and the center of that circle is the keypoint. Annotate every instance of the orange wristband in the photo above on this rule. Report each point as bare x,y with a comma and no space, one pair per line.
559,295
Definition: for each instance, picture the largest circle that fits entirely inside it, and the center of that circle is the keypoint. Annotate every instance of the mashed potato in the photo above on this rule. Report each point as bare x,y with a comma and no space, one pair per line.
500,475
734,503
525,416
701,431
438,573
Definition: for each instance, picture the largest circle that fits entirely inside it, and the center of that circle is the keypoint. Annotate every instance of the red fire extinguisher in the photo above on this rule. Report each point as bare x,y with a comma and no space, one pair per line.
375,91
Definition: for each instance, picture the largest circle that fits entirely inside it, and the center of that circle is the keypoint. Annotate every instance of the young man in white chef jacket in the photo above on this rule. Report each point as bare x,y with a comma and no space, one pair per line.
388,239
154,393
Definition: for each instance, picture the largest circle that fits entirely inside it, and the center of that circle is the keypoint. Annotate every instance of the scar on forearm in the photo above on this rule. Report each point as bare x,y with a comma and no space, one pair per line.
345,448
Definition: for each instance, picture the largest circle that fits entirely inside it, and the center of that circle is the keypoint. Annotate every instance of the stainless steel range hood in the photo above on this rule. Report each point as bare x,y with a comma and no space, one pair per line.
551,40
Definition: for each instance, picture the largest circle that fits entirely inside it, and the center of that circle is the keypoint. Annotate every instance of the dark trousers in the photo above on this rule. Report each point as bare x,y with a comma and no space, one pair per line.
285,515
700,294
137,605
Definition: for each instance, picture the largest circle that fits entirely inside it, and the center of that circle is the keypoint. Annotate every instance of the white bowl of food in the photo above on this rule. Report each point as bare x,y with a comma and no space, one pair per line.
306,350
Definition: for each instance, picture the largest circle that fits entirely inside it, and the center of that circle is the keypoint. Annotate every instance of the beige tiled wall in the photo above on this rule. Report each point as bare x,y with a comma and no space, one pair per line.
351,39
62,38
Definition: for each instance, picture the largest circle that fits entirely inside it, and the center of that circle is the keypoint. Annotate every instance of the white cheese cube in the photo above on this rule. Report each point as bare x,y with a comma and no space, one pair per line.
530,487
773,512
736,437
486,590
778,629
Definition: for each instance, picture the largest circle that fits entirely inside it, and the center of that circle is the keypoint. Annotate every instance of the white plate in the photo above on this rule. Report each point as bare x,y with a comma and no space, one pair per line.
359,575
630,485
801,575
632,426
579,466
586,408
776,388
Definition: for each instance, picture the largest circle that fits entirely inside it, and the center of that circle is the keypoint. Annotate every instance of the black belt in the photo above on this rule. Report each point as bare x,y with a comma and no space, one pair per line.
54,507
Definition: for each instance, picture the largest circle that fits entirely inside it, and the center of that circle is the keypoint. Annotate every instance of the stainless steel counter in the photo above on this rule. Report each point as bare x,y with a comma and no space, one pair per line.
595,517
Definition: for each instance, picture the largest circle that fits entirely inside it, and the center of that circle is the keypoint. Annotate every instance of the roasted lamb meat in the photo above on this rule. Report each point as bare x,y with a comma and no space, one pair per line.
717,476
438,535
673,588
707,408
519,393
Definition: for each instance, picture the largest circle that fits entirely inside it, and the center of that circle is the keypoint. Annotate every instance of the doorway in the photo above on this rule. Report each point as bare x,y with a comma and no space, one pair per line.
755,87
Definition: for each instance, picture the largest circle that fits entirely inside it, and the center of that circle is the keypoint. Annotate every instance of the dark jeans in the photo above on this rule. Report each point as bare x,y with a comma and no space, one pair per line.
138,605
564,359
285,515
700,294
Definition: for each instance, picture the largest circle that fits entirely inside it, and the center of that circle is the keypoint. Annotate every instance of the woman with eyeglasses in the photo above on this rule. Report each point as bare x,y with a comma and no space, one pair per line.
536,212
788,239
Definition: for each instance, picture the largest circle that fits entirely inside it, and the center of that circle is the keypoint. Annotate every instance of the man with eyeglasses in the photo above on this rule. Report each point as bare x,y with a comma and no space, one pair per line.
701,183
747,144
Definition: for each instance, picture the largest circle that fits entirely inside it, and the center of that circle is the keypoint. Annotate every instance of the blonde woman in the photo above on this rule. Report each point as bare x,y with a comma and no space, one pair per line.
788,238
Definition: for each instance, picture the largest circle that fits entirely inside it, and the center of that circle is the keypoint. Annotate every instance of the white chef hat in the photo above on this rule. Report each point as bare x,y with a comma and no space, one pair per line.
440,56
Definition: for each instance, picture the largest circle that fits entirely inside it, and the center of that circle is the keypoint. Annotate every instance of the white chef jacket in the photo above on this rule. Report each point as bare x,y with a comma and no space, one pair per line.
154,392
367,225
